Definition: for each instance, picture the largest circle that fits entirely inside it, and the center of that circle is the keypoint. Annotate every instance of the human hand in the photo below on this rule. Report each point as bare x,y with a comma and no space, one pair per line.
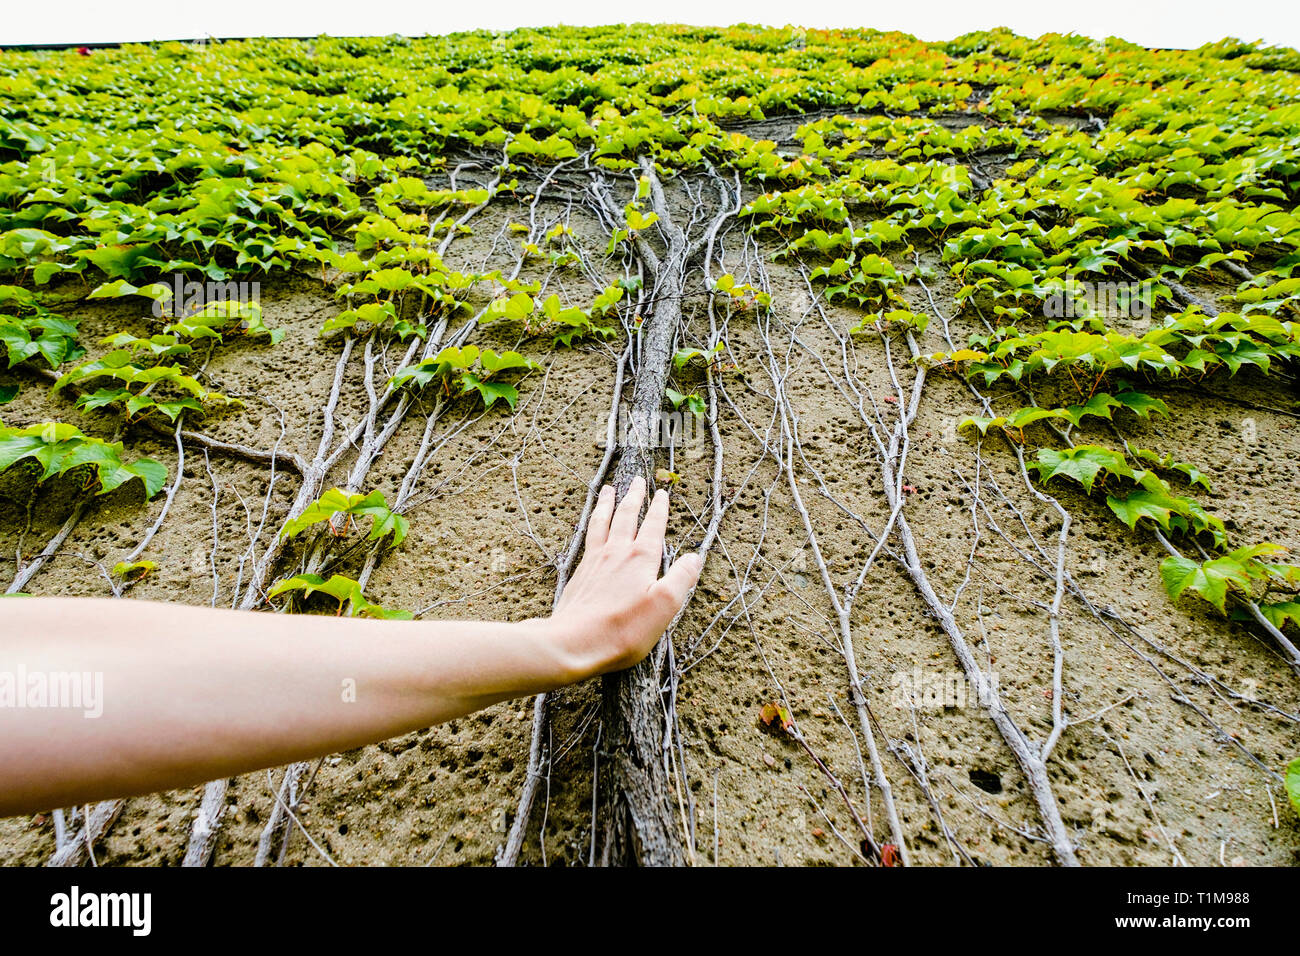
615,607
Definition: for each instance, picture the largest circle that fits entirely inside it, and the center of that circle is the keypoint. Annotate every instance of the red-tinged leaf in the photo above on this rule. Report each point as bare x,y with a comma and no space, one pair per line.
778,714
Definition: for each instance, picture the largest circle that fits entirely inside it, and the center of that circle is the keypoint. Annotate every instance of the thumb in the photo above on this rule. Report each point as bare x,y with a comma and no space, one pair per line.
672,590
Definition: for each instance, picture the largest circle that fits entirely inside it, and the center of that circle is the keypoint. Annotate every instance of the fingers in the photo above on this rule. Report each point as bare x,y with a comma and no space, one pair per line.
623,526
655,524
675,586
598,522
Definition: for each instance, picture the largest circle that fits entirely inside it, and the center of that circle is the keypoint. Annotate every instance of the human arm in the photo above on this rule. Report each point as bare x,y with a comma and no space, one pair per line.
194,694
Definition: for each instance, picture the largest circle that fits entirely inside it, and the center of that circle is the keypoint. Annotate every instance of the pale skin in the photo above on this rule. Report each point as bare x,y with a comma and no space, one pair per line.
194,694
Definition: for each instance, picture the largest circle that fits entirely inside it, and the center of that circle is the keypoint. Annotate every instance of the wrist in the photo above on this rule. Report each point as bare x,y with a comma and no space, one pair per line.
566,652
575,647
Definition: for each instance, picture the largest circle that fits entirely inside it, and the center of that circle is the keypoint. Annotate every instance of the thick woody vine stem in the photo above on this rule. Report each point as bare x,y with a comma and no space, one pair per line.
637,821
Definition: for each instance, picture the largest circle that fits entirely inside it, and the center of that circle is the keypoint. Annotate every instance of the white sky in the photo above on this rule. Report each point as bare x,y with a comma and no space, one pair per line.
1168,23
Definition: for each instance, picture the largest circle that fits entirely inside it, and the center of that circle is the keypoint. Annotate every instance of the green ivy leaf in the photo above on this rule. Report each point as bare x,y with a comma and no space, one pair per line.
1211,580
1144,503
1083,463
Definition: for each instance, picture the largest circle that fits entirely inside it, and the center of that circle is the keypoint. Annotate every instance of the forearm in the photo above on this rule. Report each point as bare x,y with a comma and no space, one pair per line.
190,694
183,694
